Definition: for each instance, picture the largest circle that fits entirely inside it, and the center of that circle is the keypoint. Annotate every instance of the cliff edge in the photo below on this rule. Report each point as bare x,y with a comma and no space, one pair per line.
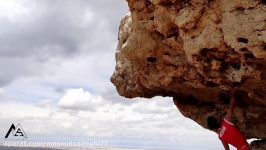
197,51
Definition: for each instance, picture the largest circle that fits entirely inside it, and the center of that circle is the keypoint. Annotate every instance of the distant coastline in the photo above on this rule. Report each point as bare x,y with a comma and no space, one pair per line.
26,148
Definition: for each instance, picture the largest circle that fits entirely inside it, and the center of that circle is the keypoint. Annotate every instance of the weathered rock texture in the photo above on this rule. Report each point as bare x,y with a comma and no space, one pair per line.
197,51
258,145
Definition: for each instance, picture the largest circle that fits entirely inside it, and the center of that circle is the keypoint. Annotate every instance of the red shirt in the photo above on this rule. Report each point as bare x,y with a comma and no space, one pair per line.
228,133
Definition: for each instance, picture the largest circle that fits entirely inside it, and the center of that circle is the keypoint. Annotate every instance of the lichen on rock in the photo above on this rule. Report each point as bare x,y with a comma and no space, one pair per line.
197,51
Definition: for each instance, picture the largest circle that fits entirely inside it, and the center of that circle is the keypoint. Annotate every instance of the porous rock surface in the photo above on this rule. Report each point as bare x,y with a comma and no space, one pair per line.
197,51
258,145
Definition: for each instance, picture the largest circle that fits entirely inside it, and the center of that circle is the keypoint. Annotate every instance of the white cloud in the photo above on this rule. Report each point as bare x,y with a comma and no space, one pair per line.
111,120
67,124
2,92
154,106
78,99
55,30
87,18
46,103
12,9
21,111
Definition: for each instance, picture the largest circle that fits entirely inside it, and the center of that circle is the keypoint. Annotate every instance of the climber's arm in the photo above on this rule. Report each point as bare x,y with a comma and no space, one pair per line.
226,146
230,111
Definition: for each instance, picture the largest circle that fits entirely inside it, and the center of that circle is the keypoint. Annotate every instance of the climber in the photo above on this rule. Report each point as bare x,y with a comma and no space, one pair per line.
227,131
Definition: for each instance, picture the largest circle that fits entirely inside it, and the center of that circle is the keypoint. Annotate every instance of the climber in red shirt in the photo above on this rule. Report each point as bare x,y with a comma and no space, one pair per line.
227,131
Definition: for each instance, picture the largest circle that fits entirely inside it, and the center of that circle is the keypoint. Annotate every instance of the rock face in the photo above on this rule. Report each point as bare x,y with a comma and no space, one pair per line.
258,145
197,51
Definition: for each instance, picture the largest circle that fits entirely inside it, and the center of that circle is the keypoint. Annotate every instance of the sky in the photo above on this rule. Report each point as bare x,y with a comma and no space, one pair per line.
56,60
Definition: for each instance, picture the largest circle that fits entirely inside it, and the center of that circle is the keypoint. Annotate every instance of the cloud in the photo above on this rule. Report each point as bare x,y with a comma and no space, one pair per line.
55,77
45,103
78,99
152,106
112,121
58,28
42,31
35,33
110,95
2,92
11,10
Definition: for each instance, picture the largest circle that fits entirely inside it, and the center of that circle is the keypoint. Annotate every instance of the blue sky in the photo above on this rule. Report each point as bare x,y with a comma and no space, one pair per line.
56,60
